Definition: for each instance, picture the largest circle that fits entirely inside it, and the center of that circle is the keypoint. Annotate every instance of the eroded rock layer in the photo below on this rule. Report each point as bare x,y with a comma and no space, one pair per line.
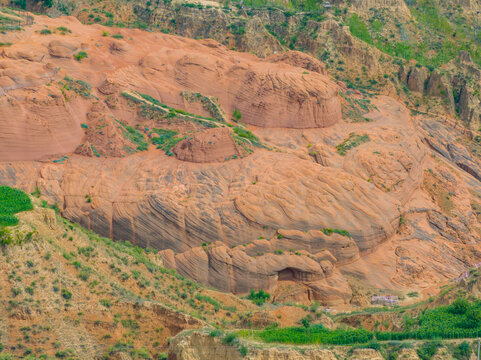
239,169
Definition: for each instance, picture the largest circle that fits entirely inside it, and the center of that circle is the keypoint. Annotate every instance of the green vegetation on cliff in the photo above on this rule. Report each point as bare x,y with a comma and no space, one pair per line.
437,36
12,201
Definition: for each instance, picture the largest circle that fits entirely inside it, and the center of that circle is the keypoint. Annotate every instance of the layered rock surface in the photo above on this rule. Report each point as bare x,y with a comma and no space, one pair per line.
267,94
214,145
297,198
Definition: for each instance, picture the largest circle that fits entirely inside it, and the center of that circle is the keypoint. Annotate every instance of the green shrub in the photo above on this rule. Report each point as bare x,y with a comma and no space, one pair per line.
66,294
63,29
236,115
229,339
29,290
5,236
243,350
45,32
473,318
215,333
12,201
80,55
462,351
130,323
428,349
259,297
459,306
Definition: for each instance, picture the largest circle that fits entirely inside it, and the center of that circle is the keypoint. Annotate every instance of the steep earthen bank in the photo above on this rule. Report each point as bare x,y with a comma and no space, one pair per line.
199,345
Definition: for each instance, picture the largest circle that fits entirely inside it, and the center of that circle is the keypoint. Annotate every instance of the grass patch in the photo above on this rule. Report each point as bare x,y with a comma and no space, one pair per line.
328,231
134,135
80,87
166,140
352,141
63,30
244,134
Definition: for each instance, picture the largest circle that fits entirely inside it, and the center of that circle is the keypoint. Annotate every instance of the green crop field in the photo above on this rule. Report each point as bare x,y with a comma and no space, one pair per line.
315,334
12,201
461,319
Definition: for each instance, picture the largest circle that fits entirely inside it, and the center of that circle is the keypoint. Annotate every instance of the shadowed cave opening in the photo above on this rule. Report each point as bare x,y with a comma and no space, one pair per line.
293,274
286,274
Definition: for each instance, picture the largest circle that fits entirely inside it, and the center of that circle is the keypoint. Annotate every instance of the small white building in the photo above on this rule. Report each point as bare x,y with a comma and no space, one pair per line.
388,300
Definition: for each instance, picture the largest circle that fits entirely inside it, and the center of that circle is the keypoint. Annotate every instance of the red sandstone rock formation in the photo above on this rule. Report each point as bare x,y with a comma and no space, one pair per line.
235,212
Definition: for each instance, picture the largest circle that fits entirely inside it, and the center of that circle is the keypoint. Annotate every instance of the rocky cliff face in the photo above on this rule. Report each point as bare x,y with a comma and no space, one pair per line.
266,31
454,84
246,172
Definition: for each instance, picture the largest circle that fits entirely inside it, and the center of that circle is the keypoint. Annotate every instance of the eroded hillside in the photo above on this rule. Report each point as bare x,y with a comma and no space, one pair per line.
263,169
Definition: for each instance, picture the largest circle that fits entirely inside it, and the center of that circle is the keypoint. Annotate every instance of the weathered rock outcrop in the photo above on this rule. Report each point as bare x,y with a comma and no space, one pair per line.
297,58
267,94
235,271
208,146
470,107
440,86
453,83
294,203
61,49
443,140
416,78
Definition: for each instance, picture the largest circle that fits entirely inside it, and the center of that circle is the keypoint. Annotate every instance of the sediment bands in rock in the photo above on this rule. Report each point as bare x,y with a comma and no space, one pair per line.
47,121
166,205
236,271
237,168
305,197
268,94
213,145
